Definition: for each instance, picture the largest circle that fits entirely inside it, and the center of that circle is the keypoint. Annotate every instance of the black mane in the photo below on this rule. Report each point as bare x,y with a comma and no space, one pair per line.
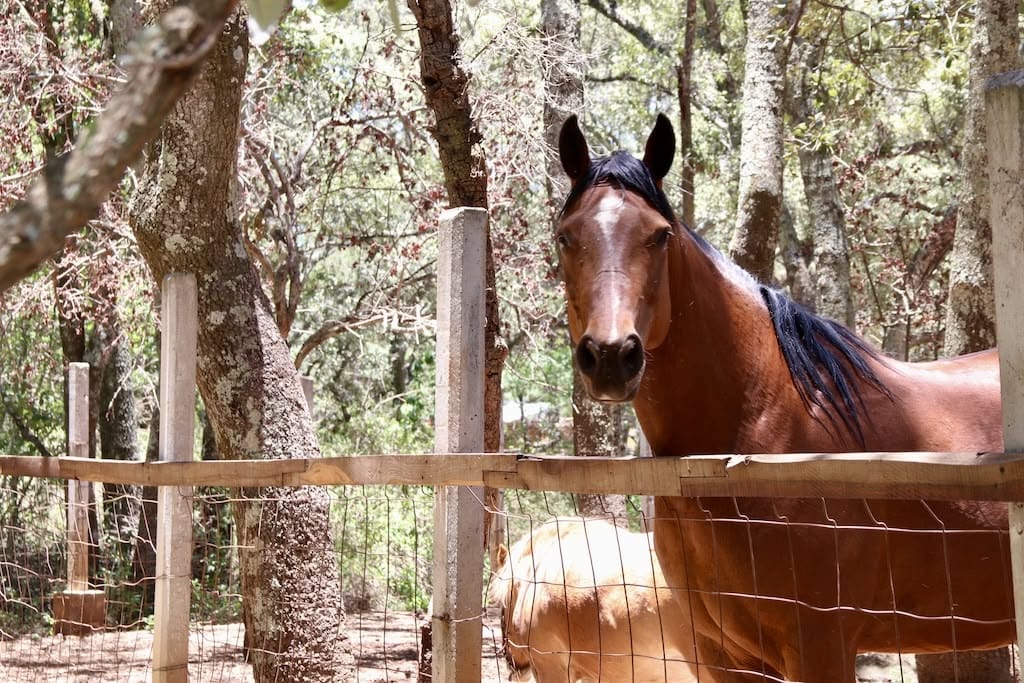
825,359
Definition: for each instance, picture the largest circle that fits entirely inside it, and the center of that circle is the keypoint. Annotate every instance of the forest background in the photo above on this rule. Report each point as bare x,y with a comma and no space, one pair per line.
866,197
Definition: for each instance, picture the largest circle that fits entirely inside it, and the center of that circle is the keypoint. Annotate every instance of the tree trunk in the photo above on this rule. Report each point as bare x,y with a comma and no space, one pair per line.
831,256
684,88
598,429
118,432
977,666
446,86
795,260
144,551
970,315
595,427
760,192
185,221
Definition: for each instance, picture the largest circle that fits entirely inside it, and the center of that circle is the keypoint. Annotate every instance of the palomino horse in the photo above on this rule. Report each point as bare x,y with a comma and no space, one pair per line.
583,599
715,362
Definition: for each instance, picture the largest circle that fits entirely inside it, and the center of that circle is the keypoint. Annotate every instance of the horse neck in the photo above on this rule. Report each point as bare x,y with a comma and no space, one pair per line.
704,383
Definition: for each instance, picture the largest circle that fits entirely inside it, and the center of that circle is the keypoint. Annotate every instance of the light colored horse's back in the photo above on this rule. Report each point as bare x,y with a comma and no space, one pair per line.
585,600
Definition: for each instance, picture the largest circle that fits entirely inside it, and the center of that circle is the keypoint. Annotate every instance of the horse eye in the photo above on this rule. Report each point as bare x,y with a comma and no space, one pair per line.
661,237
562,240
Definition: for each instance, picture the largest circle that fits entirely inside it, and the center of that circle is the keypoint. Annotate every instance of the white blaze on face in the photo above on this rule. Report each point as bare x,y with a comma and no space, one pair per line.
607,217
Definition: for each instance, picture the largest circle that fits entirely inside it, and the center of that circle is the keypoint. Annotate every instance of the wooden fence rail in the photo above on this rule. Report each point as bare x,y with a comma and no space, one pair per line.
935,476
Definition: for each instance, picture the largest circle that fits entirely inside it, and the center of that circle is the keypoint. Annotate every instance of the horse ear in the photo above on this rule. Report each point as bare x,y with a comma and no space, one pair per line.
502,554
661,147
572,150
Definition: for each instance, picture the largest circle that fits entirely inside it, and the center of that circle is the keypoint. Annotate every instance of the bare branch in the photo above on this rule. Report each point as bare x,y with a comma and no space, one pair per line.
72,188
636,30
24,430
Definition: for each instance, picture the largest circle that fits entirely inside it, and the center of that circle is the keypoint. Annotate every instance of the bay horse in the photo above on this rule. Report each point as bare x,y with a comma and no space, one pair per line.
716,362
583,599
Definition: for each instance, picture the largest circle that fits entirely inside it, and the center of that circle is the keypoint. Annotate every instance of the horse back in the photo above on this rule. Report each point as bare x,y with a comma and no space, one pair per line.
590,601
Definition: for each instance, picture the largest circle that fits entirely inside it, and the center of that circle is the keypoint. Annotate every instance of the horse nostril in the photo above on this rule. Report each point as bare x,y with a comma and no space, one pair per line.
587,356
631,356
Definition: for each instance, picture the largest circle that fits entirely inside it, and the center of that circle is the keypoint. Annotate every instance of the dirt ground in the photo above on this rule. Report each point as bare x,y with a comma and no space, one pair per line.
385,650
385,647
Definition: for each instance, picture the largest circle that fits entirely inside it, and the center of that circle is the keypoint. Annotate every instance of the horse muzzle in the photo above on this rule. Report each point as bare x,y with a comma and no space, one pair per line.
611,370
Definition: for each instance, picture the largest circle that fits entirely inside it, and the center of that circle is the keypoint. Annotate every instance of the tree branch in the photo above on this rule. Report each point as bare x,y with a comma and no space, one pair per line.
72,188
635,30
24,430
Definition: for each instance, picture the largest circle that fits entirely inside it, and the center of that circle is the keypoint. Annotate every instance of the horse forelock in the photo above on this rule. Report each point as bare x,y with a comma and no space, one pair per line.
827,362
627,171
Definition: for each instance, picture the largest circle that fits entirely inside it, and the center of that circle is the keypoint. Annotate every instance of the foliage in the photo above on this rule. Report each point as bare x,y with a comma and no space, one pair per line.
386,551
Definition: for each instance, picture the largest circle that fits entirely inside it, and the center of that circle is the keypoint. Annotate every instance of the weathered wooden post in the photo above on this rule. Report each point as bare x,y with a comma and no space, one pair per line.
179,312
1005,108
458,510
78,610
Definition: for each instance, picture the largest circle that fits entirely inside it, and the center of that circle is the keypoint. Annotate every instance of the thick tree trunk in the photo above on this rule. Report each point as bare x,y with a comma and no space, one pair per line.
970,316
446,85
760,194
796,260
595,427
184,221
831,256
831,259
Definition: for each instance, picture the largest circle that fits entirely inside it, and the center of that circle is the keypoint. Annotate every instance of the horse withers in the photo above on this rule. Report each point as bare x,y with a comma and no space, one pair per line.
583,599
716,362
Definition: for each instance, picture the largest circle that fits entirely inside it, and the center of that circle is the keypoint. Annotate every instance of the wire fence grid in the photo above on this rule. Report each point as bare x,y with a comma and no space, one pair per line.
382,542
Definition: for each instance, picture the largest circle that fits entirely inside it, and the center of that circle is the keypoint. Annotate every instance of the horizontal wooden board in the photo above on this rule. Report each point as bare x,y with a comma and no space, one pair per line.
939,476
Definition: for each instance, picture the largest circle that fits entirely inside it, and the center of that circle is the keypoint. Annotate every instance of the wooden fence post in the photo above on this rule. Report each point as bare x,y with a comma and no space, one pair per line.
179,313
458,510
78,610
1005,110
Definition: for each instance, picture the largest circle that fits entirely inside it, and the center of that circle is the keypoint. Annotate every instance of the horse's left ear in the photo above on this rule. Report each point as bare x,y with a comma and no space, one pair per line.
502,555
661,147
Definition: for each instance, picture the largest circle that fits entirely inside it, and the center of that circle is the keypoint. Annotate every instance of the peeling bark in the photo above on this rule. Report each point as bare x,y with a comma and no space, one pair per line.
185,220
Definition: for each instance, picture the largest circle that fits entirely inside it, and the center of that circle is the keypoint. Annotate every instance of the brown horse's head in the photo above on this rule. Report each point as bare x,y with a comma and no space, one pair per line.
613,240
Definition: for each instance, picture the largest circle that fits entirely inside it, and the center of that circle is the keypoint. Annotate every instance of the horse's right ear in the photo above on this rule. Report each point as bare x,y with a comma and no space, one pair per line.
660,148
572,150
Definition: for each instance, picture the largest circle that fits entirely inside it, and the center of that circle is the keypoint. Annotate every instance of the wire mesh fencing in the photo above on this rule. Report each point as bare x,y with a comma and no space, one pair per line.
578,591
382,542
